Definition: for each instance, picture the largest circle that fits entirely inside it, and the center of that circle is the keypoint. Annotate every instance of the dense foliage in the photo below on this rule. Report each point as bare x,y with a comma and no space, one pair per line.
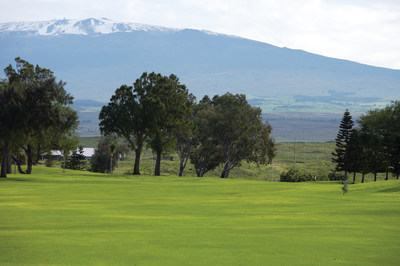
374,146
160,112
294,175
150,111
229,131
108,151
34,114
77,160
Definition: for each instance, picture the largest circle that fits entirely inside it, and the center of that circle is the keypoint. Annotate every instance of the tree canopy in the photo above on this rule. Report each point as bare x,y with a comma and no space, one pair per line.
152,110
372,147
230,131
33,105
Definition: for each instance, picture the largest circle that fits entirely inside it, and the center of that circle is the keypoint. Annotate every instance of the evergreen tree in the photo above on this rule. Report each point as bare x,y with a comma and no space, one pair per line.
77,160
341,154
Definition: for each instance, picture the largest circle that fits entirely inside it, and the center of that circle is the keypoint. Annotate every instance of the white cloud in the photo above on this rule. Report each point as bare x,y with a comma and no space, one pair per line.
366,31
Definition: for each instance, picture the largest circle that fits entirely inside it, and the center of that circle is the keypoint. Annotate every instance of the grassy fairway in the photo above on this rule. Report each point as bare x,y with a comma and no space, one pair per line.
91,219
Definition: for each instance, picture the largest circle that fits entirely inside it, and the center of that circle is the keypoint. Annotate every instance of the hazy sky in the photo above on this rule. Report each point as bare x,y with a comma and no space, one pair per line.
367,31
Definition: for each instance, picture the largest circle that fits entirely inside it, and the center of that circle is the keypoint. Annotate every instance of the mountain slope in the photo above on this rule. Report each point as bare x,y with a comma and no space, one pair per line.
95,56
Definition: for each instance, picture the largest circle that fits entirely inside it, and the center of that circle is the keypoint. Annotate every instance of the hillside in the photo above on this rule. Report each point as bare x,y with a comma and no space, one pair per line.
96,56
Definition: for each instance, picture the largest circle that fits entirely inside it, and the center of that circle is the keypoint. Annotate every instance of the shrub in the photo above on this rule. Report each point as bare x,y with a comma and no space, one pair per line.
294,175
49,159
100,162
334,176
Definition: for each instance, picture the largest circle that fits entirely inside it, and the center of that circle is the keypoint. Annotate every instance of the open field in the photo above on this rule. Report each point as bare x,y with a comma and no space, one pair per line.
81,218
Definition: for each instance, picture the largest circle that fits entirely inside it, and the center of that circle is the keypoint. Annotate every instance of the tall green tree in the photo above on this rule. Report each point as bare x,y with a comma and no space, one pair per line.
128,116
393,138
239,131
376,123
383,128
171,104
10,122
205,154
356,153
39,103
341,154
233,129
152,110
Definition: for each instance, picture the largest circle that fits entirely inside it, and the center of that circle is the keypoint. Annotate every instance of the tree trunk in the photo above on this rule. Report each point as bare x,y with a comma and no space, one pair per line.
29,154
375,177
157,169
225,171
354,177
223,174
9,162
137,161
181,168
18,162
362,180
3,173
200,172
345,175
387,175
182,164
37,155
397,176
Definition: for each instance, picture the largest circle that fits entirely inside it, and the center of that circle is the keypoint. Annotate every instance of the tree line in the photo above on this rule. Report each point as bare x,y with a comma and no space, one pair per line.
157,112
35,116
160,113
371,147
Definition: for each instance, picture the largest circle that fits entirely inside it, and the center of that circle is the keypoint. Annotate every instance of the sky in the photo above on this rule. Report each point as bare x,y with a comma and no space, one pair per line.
366,31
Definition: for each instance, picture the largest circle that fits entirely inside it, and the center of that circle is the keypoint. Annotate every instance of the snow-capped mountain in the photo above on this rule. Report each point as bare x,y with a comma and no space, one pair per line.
89,26
95,56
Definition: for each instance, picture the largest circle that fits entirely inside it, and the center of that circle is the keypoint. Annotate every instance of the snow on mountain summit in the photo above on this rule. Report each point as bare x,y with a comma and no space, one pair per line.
89,26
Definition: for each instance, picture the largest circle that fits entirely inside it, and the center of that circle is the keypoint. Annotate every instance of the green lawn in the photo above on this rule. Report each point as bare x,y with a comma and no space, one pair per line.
81,218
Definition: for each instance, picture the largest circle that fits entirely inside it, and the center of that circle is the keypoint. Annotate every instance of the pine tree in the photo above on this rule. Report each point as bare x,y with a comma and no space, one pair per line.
341,154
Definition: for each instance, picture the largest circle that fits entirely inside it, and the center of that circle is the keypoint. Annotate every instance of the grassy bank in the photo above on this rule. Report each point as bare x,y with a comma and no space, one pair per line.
83,218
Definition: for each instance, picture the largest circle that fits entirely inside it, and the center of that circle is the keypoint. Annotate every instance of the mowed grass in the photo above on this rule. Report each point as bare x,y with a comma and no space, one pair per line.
81,218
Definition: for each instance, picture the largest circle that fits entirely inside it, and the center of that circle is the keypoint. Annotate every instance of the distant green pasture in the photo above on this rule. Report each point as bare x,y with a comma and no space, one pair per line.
81,218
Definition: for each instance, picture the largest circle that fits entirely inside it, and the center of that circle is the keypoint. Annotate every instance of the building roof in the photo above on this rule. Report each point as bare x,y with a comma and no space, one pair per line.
87,152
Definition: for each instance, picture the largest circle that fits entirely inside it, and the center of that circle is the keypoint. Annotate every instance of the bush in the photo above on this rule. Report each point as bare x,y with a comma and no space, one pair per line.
49,159
293,175
334,176
100,162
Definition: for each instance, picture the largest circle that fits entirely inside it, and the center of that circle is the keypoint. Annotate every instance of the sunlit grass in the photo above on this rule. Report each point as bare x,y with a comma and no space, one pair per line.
82,218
